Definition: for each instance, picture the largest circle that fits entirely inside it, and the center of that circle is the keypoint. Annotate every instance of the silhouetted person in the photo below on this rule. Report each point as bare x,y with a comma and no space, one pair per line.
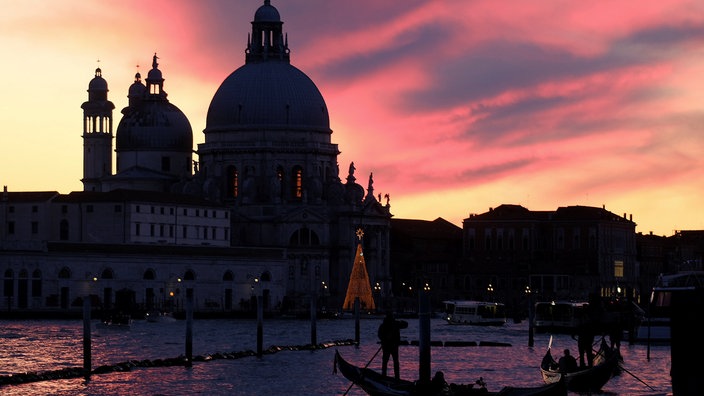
438,384
567,362
591,321
390,336
585,340
616,333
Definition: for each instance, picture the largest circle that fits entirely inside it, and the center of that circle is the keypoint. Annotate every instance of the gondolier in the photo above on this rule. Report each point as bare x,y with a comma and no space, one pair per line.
390,336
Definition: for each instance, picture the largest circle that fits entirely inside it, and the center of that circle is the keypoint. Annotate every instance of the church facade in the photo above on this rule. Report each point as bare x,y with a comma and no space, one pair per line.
258,208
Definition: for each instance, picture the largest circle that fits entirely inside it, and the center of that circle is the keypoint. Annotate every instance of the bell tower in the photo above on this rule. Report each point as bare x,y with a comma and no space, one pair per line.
97,134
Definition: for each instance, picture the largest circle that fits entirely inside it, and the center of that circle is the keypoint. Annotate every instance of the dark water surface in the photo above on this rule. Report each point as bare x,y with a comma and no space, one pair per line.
51,345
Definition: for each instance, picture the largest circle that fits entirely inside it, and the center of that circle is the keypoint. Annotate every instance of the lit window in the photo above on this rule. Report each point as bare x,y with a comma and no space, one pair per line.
618,269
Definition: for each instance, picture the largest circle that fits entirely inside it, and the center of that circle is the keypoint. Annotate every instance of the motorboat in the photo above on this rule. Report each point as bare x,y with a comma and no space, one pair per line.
470,312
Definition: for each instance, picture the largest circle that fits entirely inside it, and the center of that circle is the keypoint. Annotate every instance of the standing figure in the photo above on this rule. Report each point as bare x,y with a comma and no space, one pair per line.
585,340
390,336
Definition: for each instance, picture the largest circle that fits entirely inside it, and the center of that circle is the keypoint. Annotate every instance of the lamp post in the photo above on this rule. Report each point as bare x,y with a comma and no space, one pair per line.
256,289
377,295
490,292
87,358
529,297
173,291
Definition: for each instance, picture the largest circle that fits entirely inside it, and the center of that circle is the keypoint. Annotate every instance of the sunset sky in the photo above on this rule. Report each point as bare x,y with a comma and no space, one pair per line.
456,106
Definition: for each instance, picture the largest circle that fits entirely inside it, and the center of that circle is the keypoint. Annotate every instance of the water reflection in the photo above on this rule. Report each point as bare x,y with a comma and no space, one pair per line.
50,345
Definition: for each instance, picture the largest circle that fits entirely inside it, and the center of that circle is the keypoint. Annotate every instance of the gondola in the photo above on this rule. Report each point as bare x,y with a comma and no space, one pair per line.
375,384
590,379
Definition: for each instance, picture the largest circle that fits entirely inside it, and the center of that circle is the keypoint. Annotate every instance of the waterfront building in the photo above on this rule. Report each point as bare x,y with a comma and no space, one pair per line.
569,253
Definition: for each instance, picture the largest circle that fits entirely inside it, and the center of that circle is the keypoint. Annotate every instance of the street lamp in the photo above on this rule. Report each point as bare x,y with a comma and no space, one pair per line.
173,291
531,316
490,291
324,291
377,293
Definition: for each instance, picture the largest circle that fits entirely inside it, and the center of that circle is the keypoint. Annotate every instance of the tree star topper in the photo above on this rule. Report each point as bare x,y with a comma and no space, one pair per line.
360,233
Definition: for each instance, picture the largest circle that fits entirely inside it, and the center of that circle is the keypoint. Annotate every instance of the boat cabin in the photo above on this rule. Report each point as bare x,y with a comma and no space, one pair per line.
475,312
558,316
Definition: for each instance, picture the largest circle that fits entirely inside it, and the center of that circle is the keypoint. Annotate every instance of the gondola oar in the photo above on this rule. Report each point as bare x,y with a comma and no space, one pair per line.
365,366
634,376
620,366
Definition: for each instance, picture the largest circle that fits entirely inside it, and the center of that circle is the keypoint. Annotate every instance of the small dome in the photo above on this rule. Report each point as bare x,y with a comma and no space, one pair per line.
268,94
154,74
267,13
137,88
98,83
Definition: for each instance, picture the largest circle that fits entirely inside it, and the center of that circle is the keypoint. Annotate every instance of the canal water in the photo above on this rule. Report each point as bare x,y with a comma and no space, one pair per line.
46,345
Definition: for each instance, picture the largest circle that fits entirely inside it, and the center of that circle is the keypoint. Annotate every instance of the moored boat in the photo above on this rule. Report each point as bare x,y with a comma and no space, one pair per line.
588,379
375,384
655,328
159,317
558,316
472,312
115,321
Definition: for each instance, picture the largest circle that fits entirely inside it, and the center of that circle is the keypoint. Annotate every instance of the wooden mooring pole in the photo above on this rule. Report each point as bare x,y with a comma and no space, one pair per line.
260,326
86,338
313,319
189,327
356,320
424,341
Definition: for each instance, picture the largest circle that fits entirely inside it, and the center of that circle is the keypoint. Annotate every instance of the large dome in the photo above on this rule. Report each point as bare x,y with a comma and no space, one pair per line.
272,94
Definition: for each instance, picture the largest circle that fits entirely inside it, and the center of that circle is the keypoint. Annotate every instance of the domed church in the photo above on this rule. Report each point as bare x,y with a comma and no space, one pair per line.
259,208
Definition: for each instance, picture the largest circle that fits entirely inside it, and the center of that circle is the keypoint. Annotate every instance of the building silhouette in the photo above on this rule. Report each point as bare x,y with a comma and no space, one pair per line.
512,254
259,208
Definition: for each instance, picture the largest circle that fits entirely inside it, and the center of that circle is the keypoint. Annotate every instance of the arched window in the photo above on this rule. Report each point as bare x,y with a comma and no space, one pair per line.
266,276
189,275
297,182
233,182
65,273
304,237
228,277
149,274
107,274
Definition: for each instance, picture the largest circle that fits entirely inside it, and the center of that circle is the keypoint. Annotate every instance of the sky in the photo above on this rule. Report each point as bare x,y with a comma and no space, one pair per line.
455,106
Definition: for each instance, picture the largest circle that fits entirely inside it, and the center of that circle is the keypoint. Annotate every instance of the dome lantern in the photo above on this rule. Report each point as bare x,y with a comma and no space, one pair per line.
267,41
155,81
98,87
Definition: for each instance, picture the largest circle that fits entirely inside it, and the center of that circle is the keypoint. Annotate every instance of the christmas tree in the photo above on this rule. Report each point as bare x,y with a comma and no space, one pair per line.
359,285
